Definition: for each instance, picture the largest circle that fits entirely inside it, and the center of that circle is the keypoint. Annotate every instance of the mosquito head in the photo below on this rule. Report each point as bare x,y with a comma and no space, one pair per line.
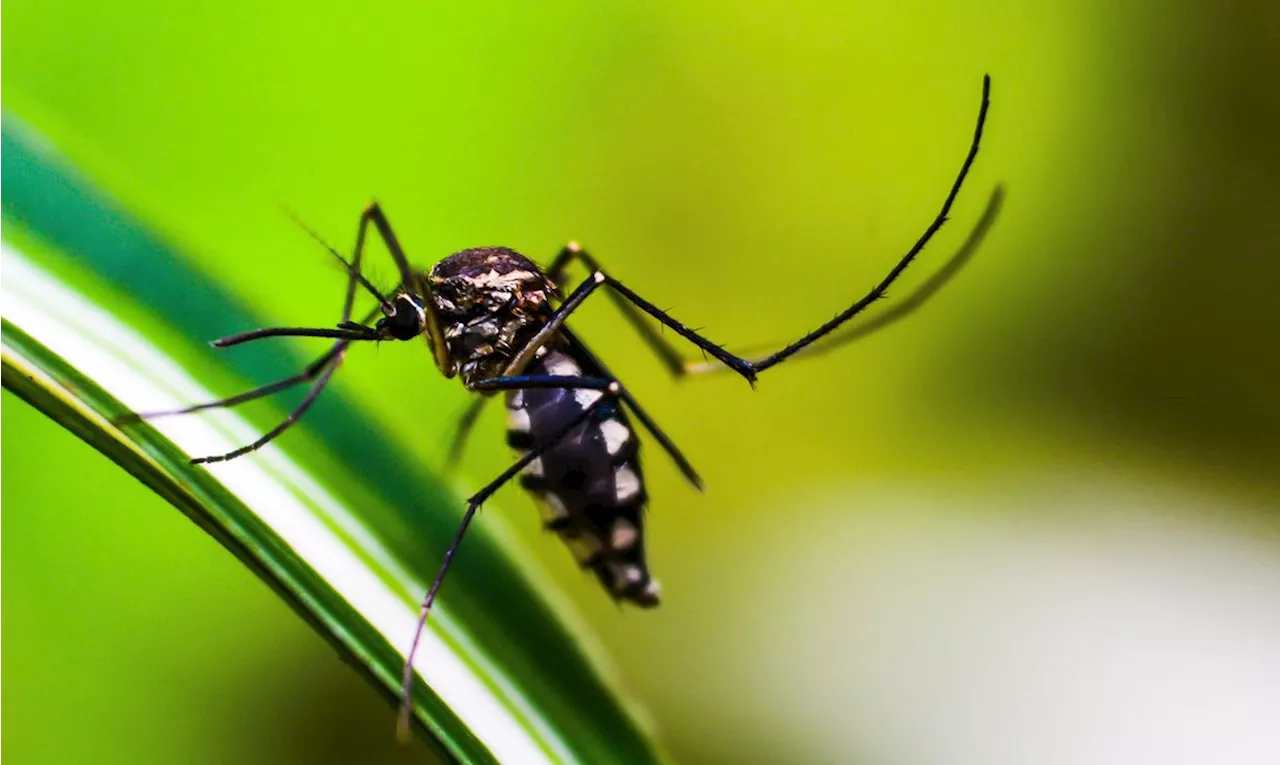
404,317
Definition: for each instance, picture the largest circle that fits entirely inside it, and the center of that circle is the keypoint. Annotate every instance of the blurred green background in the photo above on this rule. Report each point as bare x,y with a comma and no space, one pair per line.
1036,522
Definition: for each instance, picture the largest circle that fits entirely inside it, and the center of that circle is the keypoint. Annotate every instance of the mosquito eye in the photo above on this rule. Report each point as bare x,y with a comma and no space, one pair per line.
407,320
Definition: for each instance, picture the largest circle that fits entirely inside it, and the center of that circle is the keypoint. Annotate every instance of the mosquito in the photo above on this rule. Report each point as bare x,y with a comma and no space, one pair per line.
497,320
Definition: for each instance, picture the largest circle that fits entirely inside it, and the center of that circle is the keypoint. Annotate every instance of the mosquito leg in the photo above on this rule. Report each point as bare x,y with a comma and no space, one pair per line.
409,280
509,383
293,417
374,214
352,268
556,323
611,390
523,381
664,441
323,367
878,291
309,373
661,346
904,307
745,367
527,382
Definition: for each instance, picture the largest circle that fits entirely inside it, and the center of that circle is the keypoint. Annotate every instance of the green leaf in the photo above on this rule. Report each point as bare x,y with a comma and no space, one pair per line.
102,316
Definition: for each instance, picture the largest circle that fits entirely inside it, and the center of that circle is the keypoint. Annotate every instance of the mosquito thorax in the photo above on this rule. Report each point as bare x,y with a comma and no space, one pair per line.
489,301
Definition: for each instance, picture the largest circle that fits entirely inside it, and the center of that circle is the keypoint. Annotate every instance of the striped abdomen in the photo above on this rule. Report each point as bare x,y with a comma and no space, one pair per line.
589,485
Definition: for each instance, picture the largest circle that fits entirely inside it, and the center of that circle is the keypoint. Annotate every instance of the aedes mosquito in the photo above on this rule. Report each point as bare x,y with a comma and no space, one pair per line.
497,320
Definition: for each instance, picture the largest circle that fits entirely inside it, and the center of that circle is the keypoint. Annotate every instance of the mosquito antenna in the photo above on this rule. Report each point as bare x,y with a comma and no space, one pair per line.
350,269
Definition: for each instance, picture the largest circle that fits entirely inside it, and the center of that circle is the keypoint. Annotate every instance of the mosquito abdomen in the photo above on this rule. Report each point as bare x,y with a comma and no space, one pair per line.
589,486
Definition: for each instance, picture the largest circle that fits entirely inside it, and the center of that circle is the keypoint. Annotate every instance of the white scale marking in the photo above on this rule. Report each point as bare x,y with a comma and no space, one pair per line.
615,435
626,483
625,575
518,420
561,365
624,534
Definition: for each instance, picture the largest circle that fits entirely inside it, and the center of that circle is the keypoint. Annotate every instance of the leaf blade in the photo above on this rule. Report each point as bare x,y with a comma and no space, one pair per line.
546,681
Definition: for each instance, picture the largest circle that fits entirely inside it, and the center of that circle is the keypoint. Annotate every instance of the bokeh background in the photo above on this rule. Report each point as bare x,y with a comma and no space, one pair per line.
1034,523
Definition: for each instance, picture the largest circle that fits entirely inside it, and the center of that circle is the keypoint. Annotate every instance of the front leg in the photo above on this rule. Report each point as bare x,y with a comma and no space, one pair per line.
593,282
666,352
746,367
